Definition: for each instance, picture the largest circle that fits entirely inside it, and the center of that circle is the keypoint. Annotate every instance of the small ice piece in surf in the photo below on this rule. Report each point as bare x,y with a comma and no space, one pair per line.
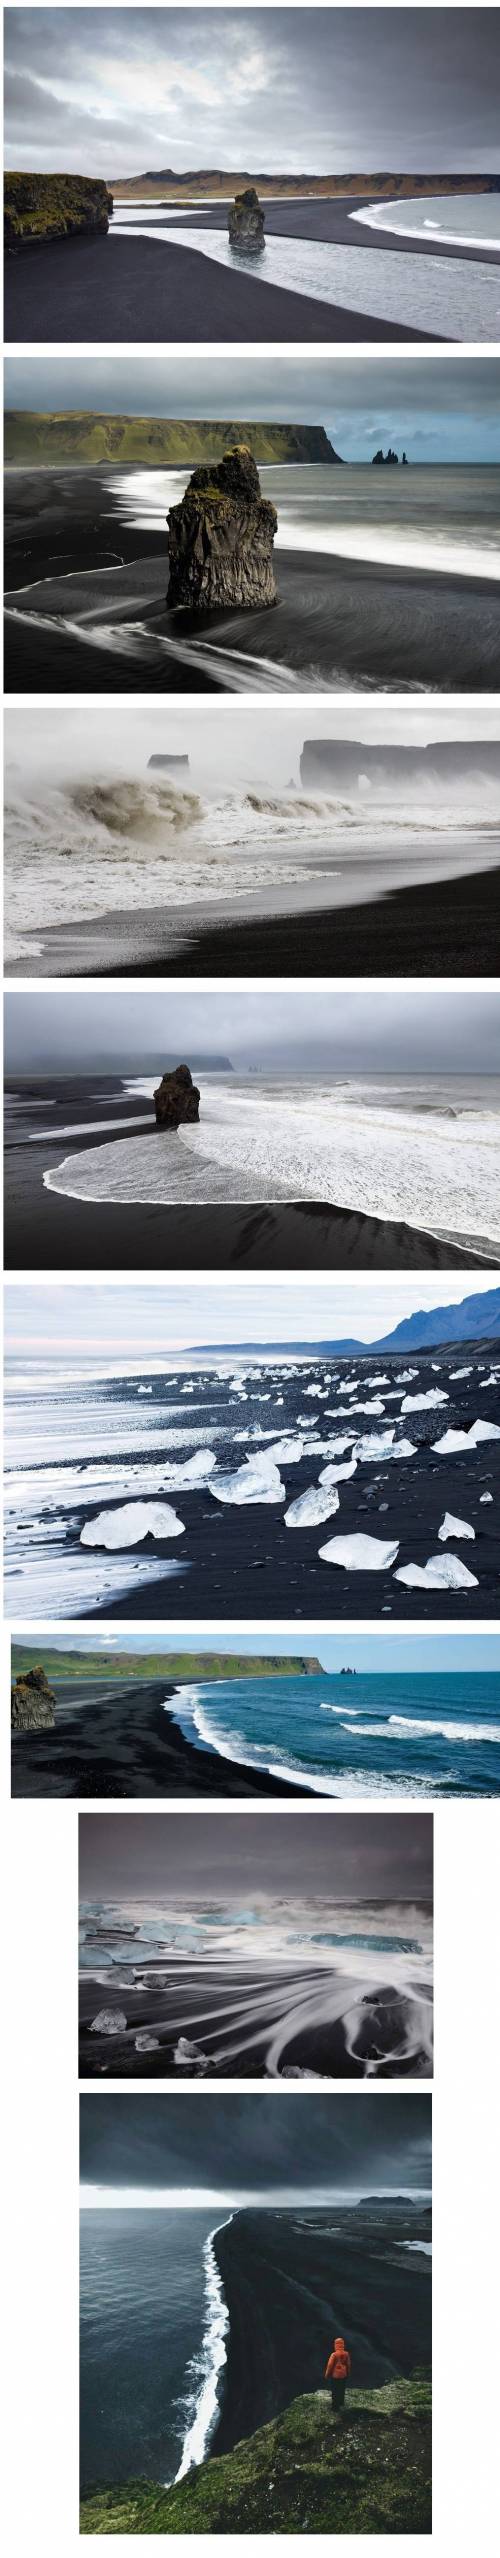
110,2020
442,1572
144,1389
147,2043
131,1524
360,1553
419,1402
484,1496
257,1480
454,1439
189,2055
312,1507
195,1469
454,1528
338,1474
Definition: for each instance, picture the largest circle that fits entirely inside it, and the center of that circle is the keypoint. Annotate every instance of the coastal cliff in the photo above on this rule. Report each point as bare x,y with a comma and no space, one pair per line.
53,208
83,435
303,2472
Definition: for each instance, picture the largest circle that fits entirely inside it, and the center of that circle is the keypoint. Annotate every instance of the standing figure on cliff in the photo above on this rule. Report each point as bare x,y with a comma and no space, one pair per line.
338,2371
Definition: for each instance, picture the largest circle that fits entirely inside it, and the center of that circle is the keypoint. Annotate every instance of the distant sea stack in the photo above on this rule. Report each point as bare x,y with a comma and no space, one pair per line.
53,208
177,1099
246,223
338,763
33,1704
221,538
168,763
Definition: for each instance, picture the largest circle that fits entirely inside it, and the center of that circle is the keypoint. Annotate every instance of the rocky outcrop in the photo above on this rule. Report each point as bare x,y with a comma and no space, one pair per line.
341,763
33,1704
246,220
168,763
177,1099
221,537
53,208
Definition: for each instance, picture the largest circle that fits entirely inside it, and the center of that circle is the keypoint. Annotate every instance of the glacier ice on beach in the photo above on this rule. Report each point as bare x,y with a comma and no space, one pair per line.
418,1402
192,1470
133,1521
442,1572
454,1439
312,1507
360,1553
254,1481
454,1528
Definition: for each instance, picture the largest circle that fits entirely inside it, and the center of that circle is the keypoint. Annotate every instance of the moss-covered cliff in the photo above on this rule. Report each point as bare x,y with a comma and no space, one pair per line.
52,208
83,436
307,2472
170,1666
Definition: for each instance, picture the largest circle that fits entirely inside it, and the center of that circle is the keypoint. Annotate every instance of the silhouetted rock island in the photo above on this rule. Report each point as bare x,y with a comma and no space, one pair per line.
246,220
221,537
177,1098
33,1704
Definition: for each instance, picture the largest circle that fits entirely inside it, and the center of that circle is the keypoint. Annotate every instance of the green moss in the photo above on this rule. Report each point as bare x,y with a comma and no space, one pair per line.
368,2472
84,436
165,1665
53,207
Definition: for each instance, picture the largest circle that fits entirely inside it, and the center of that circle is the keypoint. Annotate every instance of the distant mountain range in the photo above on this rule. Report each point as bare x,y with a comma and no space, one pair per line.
380,182
83,435
476,1319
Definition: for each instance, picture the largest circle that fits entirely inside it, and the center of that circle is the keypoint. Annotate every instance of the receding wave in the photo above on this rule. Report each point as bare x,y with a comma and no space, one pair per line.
205,2370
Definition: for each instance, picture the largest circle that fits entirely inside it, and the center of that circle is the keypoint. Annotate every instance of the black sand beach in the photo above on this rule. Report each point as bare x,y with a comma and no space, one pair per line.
292,2280
446,928
112,1738
45,1230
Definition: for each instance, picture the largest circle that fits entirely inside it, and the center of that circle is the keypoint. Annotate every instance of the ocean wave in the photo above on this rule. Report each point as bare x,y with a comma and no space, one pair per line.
207,2366
443,1731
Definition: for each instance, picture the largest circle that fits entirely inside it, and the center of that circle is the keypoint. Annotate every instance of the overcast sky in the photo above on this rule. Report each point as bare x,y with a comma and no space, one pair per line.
134,1324
115,92
384,1655
238,2145
438,408
227,746
184,1857
400,1032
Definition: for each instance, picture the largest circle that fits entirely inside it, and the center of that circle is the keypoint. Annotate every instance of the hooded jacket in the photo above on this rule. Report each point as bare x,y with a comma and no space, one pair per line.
339,2361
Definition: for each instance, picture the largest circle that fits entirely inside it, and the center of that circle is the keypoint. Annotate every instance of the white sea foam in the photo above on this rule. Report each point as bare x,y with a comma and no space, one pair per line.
207,2367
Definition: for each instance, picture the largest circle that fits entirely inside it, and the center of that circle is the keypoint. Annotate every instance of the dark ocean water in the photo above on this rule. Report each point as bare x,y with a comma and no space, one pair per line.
346,1735
143,2302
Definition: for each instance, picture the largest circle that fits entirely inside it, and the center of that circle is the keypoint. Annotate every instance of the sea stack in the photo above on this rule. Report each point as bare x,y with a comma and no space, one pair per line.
221,537
168,763
33,1704
246,219
176,1099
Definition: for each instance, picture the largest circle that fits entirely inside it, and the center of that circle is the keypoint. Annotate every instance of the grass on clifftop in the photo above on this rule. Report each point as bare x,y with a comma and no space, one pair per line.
43,207
83,435
307,2471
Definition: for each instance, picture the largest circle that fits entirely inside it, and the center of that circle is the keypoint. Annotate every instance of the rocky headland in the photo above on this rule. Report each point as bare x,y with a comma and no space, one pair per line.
177,1099
33,1704
221,536
245,223
53,208
304,2472
89,435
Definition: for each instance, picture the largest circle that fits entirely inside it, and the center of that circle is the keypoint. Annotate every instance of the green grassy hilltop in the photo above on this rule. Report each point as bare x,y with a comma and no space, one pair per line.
170,1666
81,435
307,2471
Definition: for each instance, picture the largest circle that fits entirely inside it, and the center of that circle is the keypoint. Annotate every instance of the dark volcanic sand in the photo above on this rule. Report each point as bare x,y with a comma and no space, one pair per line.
45,1230
125,288
445,928
78,563
294,2280
113,1738
215,2004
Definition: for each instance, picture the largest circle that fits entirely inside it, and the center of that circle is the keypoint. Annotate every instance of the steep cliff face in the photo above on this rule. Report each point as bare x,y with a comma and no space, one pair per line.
340,763
33,1704
305,2472
52,208
220,538
86,435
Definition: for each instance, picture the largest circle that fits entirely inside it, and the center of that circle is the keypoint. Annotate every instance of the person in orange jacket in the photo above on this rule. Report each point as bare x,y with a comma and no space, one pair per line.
338,2372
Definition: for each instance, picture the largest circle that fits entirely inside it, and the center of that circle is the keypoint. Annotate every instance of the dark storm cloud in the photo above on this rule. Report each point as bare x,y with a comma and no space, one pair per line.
302,89
367,1033
256,2143
440,408
177,1856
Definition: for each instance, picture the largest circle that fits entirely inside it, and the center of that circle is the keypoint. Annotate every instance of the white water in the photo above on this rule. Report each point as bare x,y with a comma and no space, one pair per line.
470,220
207,2367
452,298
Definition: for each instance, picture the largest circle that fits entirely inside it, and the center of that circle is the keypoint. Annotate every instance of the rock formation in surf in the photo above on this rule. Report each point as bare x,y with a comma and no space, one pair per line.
221,537
245,221
168,763
33,1704
176,1099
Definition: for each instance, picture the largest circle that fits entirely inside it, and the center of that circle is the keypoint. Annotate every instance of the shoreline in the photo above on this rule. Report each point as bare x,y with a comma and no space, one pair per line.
131,1757
280,2277
188,296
